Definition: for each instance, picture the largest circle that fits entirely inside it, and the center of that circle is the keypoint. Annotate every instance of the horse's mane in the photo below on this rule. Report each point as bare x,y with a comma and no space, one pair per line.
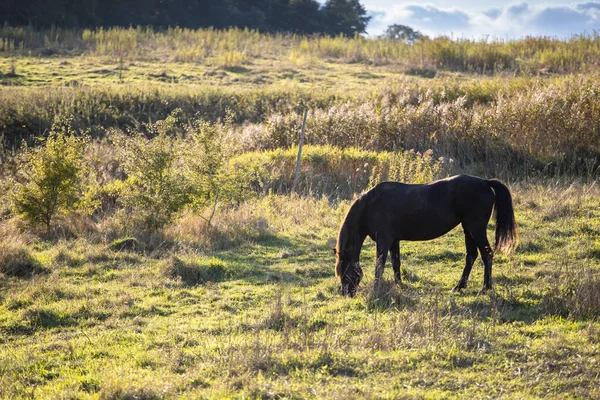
351,220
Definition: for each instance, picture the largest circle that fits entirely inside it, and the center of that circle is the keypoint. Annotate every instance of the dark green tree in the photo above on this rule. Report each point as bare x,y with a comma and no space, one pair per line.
336,17
347,17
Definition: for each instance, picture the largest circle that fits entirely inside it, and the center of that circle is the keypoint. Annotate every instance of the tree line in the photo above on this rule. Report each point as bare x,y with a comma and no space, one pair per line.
334,17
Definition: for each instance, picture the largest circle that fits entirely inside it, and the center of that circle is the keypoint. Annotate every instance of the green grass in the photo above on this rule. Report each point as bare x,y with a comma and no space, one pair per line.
265,319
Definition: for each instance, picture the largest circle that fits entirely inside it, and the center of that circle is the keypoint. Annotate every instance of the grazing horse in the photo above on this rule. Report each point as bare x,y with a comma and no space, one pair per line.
393,211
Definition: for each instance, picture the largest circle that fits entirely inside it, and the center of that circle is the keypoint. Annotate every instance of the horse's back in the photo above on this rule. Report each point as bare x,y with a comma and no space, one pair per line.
427,211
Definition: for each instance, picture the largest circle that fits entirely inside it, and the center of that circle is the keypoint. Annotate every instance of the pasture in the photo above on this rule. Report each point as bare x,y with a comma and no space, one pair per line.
211,280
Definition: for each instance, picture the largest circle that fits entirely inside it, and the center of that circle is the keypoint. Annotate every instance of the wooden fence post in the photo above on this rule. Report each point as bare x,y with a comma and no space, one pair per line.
297,171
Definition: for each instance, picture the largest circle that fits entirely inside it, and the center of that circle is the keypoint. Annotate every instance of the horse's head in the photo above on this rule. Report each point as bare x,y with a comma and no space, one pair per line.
347,250
350,274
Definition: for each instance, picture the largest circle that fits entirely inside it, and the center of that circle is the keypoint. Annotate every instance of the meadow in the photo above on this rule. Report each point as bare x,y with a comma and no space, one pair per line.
173,261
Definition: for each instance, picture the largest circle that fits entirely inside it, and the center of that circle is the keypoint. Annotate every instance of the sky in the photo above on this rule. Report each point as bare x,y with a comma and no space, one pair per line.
478,19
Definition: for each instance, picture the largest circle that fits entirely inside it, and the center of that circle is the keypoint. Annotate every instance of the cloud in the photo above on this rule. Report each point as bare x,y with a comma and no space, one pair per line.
442,19
512,21
588,6
493,13
517,10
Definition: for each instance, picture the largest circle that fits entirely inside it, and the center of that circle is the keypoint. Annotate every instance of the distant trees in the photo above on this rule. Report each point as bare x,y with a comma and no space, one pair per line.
298,16
402,32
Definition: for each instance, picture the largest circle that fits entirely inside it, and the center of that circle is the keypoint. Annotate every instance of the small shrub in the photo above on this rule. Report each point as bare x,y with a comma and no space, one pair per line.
205,161
172,167
155,187
50,177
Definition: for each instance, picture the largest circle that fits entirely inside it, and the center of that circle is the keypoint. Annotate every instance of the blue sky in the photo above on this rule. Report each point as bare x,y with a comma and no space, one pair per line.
476,19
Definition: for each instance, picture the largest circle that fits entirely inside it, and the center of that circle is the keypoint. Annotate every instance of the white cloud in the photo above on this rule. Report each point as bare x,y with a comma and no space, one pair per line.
512,21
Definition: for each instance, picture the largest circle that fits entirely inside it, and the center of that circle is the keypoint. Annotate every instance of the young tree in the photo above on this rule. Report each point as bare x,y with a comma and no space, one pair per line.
50,176
156,187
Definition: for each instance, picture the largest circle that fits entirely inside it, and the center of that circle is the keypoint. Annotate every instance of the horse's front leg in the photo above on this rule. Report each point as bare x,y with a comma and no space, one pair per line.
395,253
383,246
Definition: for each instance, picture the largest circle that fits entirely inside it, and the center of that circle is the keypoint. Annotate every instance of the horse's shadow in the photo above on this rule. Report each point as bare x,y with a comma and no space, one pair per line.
499,305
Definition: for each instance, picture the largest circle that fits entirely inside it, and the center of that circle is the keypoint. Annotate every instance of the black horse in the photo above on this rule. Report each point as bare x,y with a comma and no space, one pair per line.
393,211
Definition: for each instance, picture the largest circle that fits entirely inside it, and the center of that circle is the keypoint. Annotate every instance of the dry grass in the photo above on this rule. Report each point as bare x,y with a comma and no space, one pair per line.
526,55
229,227
15,254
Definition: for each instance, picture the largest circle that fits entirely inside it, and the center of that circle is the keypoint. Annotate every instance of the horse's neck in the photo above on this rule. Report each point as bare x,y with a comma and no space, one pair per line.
354,244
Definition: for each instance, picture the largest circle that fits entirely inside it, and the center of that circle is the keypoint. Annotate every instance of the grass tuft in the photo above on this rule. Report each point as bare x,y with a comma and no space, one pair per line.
196,271
16,258
573,294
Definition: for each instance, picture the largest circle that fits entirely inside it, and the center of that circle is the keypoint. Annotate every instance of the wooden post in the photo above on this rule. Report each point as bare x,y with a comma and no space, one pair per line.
297,171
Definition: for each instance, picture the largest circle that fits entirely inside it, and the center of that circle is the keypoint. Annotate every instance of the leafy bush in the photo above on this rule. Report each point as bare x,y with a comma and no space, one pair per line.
50,177
156,186
174,166
206,162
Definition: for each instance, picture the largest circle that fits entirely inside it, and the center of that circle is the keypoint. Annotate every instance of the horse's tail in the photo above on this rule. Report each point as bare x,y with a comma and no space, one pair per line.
352,218
507,236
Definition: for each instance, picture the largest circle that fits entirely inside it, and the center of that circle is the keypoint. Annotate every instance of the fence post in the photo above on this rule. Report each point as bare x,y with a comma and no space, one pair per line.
297,170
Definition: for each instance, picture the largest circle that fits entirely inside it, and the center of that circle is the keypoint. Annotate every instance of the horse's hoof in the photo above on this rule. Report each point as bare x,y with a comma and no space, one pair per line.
484,291
460,286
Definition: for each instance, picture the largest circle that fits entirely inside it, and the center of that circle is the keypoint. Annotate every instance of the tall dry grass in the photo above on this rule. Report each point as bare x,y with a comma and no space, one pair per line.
555,127
15,254
525,124
529,55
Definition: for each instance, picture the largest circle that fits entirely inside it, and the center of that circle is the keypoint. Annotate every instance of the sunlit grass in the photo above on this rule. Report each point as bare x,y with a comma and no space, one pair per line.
265,318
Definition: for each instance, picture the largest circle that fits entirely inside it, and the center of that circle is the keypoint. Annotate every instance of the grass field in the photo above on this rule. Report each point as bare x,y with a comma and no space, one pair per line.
265,319
247,306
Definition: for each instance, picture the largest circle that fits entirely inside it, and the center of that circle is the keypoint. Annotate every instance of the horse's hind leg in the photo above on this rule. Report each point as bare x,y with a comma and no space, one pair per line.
395,253
469,260
487,254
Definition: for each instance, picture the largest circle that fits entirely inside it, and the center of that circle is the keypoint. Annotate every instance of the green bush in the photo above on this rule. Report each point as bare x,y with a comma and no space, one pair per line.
156,186
50,177
175,166
206,165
